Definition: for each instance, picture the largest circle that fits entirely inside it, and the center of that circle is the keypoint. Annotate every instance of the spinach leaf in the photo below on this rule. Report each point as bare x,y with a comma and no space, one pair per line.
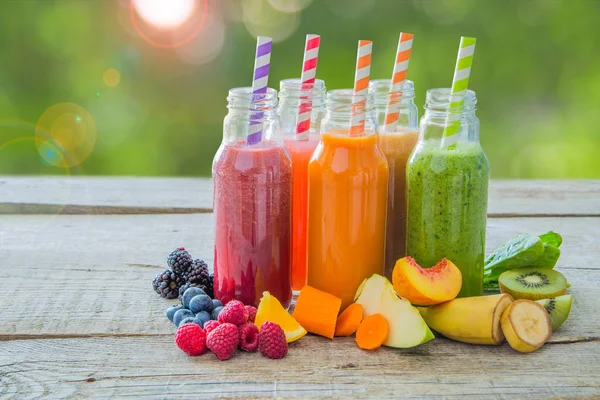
518,252
551,238
549,258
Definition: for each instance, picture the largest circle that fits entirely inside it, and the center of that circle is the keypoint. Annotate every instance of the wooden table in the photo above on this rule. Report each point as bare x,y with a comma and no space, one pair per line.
79,317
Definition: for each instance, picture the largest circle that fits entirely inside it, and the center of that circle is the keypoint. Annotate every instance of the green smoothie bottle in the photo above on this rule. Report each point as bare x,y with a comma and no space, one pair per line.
448,192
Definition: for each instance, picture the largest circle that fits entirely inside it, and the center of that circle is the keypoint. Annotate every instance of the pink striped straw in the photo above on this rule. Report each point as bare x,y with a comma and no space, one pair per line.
262,62
309,71
361,86
392,113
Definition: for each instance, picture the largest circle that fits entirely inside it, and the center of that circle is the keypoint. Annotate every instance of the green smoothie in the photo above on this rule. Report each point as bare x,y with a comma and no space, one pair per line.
447,208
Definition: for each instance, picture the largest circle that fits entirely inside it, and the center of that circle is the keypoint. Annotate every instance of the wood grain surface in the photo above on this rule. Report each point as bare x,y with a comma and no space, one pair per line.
108,195
80,319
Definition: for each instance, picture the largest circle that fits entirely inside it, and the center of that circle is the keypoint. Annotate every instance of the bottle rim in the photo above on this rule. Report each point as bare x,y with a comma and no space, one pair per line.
346,96
242,98
295,84
381,87
438,99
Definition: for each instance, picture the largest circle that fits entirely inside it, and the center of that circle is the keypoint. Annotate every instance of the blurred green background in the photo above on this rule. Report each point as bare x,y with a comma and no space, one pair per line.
140,89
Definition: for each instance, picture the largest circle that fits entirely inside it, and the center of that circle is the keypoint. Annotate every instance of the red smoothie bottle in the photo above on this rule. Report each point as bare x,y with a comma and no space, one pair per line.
252,204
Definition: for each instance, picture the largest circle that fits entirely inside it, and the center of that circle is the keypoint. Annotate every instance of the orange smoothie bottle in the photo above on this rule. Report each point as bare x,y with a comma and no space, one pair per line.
301,151
397,142
348,181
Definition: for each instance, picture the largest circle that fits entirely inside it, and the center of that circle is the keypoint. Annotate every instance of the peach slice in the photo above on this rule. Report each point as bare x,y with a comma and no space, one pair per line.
426,286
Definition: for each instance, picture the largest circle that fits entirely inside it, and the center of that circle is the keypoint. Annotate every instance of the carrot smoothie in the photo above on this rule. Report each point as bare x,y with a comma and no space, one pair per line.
348,181
397,147
300,152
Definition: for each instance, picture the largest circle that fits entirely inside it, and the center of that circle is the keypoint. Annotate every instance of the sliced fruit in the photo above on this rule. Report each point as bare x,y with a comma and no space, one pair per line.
317,311
406,327
372,332
426,286
349,320
558,309
469,319
533,283
526,325
270,309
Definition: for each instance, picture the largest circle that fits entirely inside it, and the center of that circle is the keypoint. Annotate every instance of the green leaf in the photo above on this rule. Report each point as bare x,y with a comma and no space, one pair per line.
551,238
549,258
518,252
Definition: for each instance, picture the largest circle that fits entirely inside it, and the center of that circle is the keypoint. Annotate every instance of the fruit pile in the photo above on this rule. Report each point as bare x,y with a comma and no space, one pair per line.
182,274
233,329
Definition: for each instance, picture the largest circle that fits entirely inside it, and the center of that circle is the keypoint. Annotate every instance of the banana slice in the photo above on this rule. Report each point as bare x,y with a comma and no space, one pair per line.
526,325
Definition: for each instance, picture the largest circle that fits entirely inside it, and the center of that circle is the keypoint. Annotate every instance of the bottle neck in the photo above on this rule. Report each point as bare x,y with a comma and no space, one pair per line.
439,115
401,103
342,108
295,99
250,113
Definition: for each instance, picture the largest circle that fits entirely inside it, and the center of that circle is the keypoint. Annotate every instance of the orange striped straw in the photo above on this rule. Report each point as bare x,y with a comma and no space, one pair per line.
361,86
392,112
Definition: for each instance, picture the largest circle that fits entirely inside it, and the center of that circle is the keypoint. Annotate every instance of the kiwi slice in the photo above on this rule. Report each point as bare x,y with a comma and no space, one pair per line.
533,283
558,308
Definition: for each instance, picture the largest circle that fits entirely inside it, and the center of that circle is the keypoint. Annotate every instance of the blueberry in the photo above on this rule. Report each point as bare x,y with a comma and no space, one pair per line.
189,320
217,303
172,310
201,303
201,318
215,312
189,294
180,315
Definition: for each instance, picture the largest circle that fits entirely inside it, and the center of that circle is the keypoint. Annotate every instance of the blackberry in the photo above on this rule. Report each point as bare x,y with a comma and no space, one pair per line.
198,273
167,284
180,261
210,285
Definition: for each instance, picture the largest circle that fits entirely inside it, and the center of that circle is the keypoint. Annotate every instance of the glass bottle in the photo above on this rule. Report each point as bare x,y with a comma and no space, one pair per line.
252,204
347,179
448,192
397,141
301,150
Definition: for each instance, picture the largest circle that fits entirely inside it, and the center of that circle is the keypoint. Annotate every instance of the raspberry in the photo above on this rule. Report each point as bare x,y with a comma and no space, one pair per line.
271,341
234,313
191,339
251,313
223,340
248,337
210,326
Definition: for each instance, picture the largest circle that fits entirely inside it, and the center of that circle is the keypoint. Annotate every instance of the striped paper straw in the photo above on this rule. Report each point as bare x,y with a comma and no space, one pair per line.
309,71
459,90
392,112
361,85
262,62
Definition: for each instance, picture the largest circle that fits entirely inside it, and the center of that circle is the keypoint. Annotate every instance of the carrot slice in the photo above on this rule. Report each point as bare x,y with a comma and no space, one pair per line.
349,320
372,332
317,311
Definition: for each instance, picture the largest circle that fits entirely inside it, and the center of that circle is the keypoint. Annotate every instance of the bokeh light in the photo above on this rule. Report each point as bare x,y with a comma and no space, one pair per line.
262,19
207,44
65,135
111,77
164,13
290,5
171,36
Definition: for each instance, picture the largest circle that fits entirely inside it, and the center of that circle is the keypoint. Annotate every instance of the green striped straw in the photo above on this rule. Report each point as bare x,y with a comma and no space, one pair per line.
459,90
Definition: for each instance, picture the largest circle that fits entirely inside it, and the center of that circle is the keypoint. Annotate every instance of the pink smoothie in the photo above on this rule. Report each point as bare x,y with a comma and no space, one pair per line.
252,207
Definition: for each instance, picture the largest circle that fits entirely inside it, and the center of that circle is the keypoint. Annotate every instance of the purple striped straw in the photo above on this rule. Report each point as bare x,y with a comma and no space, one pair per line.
262,62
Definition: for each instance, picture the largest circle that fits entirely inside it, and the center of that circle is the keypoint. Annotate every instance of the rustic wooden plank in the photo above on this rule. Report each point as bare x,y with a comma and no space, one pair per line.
314,367
123,195
80,275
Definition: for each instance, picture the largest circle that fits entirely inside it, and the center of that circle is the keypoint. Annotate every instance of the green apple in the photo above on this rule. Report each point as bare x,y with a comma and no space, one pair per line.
407,328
